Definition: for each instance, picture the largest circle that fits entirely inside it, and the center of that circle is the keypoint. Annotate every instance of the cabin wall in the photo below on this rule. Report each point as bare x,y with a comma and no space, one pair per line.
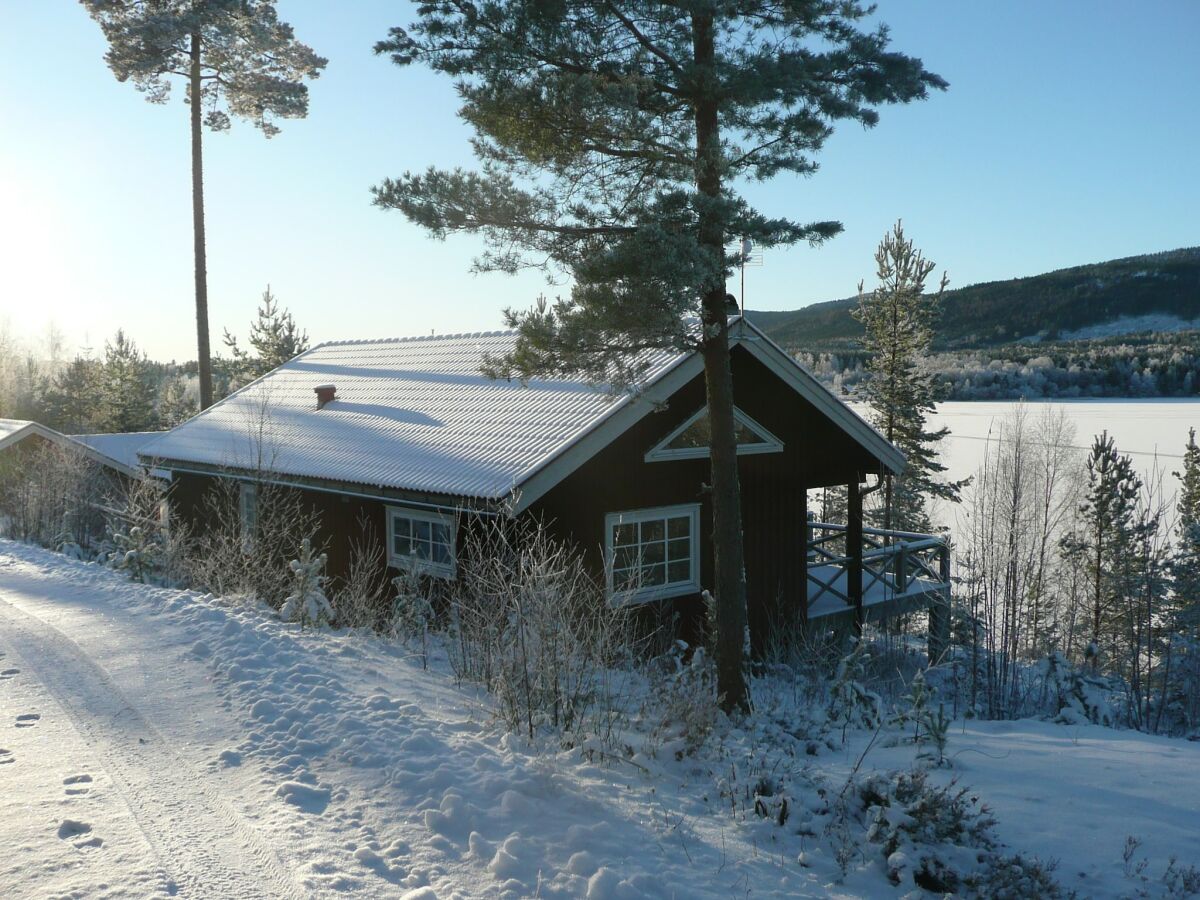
816,453
774,485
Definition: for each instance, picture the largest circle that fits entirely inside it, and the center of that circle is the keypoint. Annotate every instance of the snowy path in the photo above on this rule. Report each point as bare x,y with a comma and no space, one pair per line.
201,845
156,742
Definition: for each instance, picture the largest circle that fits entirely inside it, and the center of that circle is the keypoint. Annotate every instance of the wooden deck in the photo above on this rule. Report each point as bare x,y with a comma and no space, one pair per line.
900,572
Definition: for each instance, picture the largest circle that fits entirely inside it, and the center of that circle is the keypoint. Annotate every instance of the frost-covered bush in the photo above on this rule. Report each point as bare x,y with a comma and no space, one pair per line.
682,701
1078,697
227,560
138,552
851,704
307,603
530,621
412,613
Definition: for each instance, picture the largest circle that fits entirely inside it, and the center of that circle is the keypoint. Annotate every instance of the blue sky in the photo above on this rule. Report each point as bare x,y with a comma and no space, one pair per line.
1070,134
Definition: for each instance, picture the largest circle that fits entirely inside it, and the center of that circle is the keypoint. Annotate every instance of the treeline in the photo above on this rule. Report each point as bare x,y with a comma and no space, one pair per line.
121,390
1041,306
1083,572
1155,365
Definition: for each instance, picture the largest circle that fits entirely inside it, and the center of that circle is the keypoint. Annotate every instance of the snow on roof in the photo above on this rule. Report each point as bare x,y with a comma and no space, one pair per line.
13,431
410,414
416,414
11,427
121,447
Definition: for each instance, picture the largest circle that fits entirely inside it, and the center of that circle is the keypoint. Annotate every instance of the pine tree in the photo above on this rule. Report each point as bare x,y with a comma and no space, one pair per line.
1104,536
274,337
237,59
612,136
175,406
127,386
73,401
1185,567
898,320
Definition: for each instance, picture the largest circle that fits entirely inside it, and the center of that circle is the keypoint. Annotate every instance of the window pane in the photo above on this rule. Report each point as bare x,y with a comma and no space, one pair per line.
653,576
679,572
422,529
441,533
623,535
441,554
400,546
653,530
625,557
681,548
401,526
679,526
654,553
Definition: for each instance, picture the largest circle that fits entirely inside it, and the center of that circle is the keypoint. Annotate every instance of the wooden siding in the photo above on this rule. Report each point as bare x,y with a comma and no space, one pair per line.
816,453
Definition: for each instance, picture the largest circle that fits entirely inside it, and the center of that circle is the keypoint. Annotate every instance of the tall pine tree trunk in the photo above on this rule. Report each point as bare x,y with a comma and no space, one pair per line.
728,563
203,356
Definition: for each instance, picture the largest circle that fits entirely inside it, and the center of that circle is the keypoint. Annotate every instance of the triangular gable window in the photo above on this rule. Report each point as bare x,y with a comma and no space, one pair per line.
691,439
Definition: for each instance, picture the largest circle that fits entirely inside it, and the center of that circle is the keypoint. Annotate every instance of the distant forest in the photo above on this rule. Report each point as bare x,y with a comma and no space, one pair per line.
1040,307
1037,337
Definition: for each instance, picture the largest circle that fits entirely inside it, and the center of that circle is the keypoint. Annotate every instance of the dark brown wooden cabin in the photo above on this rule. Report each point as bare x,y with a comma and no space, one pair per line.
409,436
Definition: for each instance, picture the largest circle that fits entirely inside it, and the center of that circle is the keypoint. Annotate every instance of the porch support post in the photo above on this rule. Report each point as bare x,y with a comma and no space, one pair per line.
806,532
939,613
854,550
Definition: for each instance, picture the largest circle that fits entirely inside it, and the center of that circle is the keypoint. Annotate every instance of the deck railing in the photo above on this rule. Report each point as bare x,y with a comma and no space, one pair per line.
898,562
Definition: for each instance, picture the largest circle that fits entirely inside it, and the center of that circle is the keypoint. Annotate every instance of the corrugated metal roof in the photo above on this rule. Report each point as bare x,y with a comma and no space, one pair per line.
410,414
123,447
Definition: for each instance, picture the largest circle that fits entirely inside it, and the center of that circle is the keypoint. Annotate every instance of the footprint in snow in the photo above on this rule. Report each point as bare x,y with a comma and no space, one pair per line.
27,720
6,756
78,781
73,829
9,673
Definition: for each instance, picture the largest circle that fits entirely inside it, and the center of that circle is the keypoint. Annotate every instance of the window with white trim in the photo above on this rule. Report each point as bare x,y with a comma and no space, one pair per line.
421,541
691,440
653,554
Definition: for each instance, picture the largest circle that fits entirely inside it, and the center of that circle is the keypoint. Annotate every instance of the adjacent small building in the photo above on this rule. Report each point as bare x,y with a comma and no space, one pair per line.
409,436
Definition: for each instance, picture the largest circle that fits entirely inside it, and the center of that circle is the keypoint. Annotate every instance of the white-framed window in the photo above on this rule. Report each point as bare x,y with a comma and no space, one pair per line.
691,439
248,511
652,554
421,541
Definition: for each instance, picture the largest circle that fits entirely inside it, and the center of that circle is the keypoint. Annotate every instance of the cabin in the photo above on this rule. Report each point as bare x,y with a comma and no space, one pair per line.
20,436
408,435
51,482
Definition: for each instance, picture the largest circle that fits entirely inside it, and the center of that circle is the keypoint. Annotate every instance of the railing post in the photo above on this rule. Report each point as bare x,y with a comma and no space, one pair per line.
804,557
939,611
902,568
854,552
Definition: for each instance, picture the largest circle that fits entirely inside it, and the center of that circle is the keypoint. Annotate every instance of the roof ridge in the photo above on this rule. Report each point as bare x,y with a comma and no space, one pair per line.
463,335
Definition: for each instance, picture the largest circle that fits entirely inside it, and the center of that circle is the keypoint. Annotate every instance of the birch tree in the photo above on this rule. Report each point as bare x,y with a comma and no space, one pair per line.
237,59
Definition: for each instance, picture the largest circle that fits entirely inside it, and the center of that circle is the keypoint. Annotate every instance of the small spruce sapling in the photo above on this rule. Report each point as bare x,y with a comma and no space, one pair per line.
850,702
307,604
412,613
137,553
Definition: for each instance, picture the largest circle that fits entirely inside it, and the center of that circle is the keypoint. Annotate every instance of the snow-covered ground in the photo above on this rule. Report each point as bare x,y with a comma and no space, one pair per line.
156,742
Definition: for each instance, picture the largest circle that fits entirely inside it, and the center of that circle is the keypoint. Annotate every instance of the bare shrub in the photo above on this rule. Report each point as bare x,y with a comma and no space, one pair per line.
360,597
52,495
252,561
531,622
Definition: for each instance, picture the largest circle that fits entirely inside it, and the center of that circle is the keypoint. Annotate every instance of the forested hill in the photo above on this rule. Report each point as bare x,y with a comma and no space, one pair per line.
1157,289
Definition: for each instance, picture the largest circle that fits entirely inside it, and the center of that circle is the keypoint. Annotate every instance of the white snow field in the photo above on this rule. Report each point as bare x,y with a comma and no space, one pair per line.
155,742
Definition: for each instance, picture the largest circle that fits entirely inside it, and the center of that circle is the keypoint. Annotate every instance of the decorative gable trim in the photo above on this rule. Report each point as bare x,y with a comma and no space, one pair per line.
664,452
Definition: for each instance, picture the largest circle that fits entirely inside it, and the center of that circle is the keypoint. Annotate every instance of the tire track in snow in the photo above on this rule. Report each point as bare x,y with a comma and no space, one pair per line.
203,845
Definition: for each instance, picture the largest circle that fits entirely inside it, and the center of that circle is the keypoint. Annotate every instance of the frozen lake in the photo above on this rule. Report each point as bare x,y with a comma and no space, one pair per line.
1153,432
1147,430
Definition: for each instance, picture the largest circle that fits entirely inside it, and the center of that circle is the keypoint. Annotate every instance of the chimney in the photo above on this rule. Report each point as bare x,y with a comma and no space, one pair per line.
325,394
